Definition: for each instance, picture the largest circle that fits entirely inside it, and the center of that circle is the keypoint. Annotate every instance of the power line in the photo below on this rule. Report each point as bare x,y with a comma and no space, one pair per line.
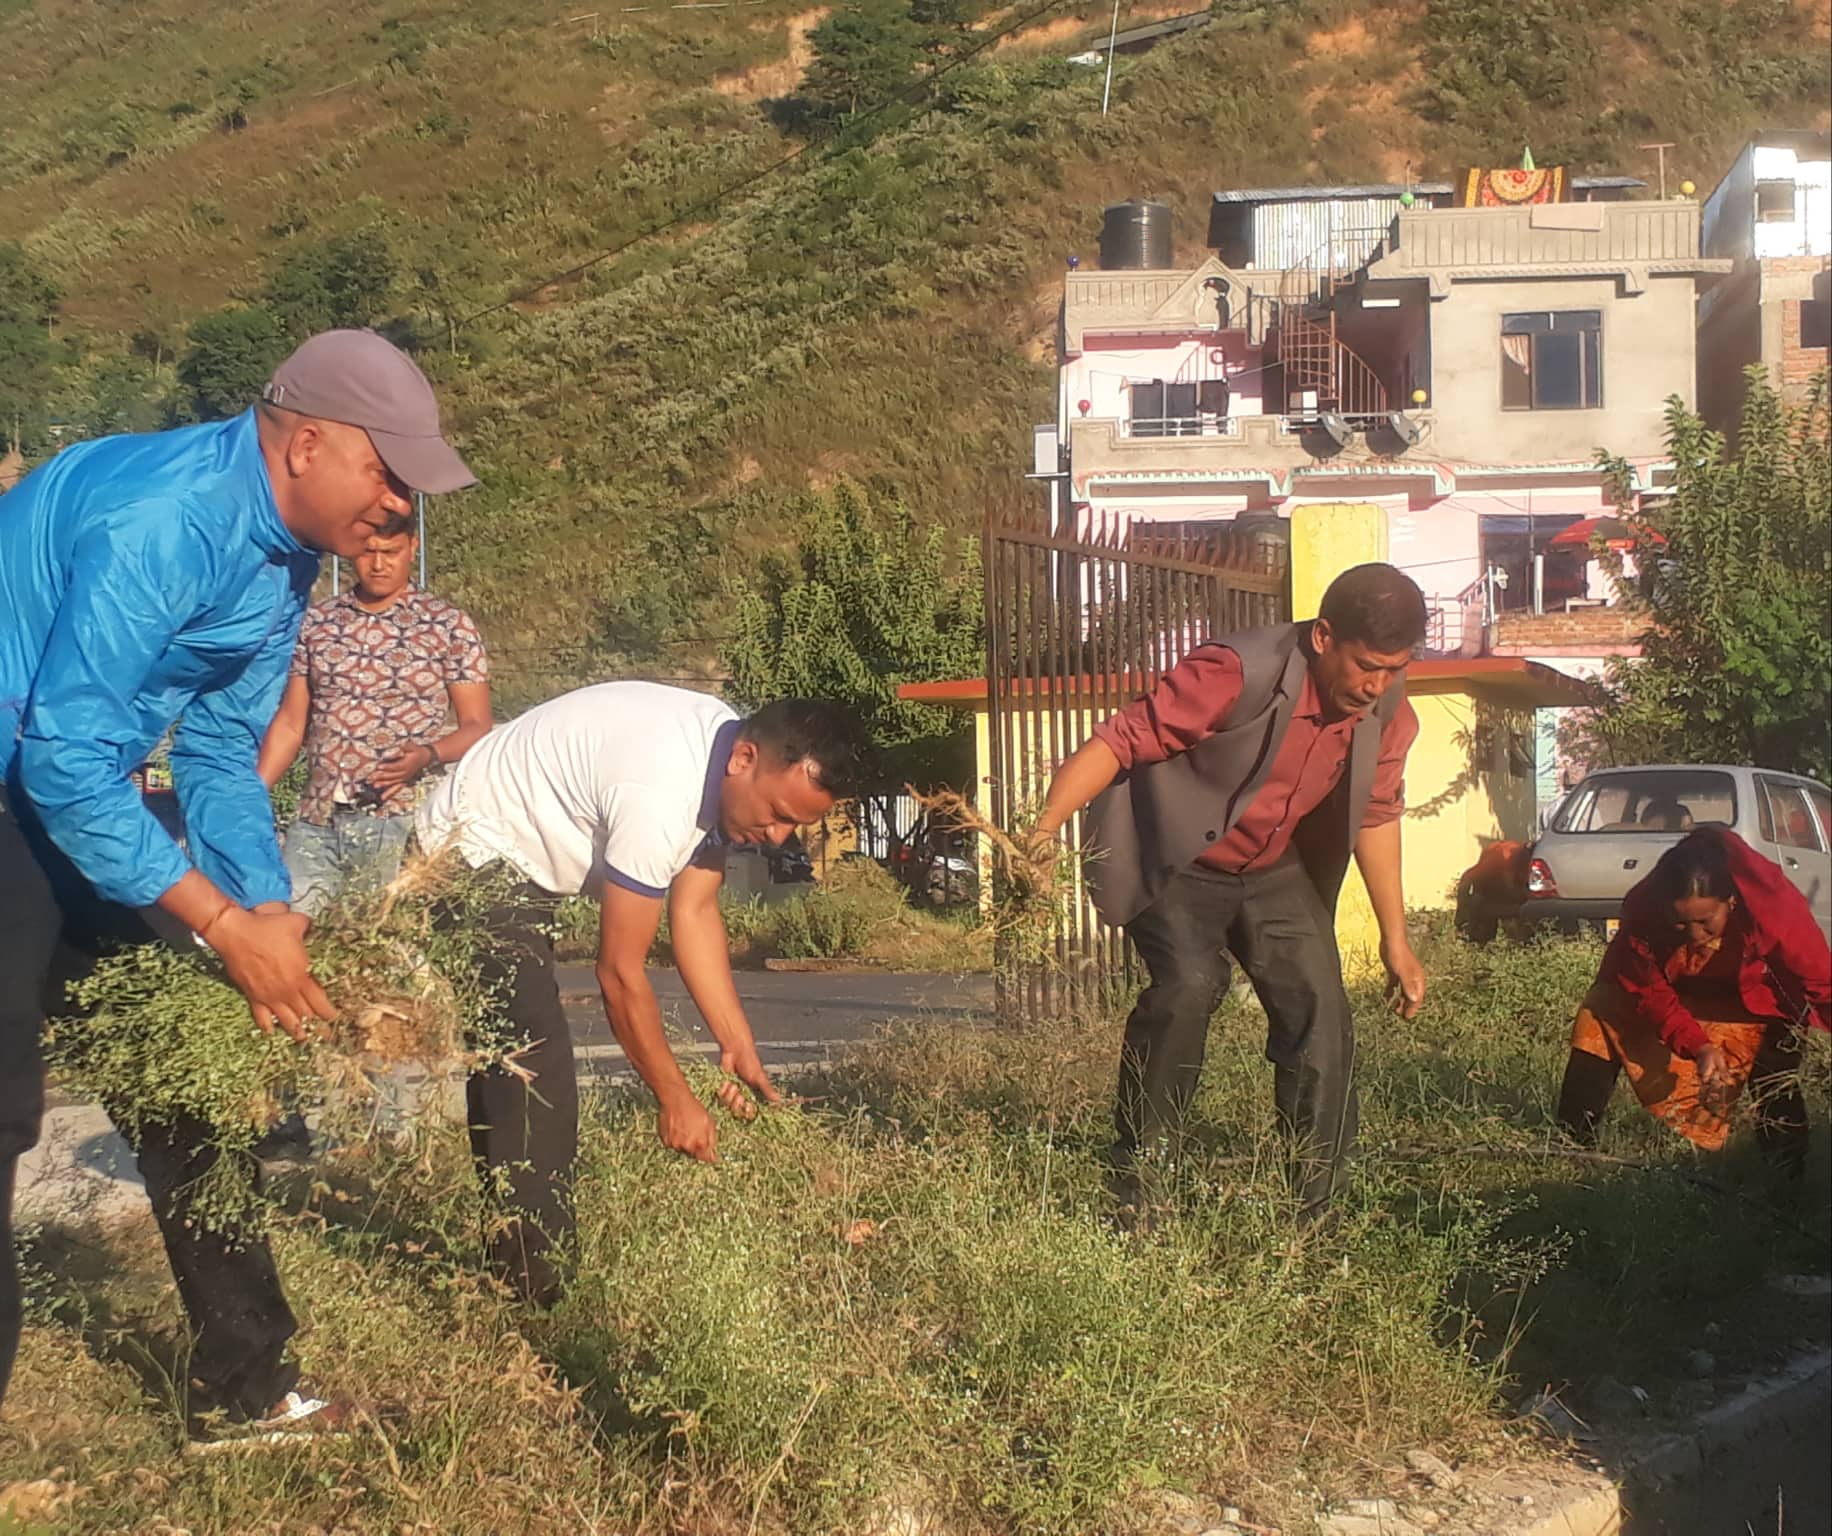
732,188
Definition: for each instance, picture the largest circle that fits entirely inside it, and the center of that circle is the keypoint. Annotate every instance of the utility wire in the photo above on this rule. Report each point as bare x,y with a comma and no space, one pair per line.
713,199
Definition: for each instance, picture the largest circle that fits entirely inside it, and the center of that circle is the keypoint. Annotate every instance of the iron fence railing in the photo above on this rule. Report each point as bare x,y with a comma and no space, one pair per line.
1080,620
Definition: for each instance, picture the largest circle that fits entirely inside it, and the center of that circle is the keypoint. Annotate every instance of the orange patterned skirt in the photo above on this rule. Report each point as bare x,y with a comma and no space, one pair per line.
1667,1085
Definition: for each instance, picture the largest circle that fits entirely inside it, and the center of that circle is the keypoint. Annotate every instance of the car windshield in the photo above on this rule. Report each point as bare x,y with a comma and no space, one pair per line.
1653,800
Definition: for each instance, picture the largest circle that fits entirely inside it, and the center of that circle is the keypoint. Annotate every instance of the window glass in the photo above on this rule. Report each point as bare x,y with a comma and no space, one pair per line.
1655,800
1790,814
1552,360
1822,803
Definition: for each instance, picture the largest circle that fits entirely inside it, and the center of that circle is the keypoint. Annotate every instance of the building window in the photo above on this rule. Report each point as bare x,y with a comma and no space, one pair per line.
1816,323
1774,202
1552,360
1157,409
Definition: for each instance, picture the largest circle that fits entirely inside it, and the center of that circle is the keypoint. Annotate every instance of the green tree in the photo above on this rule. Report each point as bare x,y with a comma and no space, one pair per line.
342,281
864,57
1737,659
865,601
28,300
231,355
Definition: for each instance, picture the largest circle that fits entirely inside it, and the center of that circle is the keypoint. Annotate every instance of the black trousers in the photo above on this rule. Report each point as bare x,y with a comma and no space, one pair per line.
525,1134
52,929
1278,928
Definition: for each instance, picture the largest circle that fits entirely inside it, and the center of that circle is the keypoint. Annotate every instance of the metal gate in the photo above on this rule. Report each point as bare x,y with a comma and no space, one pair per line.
1079,621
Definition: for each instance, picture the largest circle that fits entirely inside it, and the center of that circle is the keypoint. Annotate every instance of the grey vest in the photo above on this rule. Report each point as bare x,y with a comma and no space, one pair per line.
1157,820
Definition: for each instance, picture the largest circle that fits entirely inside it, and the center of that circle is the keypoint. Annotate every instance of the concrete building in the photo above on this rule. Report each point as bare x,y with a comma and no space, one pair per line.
1771,217
1460,368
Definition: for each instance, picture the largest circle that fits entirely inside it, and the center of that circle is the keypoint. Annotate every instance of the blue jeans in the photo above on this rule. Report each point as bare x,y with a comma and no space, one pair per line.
353,846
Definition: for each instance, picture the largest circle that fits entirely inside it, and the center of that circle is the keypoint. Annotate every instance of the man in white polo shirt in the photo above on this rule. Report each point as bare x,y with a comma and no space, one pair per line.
629,792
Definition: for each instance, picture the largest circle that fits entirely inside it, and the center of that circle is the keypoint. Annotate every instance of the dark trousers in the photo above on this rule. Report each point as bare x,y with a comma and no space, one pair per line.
525,1133
1278,928
52,928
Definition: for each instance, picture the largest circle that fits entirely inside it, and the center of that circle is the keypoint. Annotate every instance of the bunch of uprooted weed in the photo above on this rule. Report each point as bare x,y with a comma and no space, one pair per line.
1035,877
159,1036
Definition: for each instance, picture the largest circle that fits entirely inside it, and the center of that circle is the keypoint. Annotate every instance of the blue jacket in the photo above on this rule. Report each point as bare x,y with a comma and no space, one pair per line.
147,580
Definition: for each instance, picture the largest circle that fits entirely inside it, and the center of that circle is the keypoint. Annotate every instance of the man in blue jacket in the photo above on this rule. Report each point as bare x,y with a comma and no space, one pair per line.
157,580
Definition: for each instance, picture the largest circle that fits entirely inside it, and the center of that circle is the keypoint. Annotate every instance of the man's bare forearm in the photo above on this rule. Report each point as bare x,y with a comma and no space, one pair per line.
1377,855
195,901
636,1021
1087,771
702,951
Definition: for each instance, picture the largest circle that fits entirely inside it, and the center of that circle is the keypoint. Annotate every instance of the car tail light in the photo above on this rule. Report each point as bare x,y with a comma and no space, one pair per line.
1539,879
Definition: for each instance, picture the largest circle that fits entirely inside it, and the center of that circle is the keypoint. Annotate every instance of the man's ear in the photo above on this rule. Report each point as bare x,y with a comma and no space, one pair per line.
1319,634
306,443
743,758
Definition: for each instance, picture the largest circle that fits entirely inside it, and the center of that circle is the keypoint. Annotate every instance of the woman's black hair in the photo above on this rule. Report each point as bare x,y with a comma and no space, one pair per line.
1698,865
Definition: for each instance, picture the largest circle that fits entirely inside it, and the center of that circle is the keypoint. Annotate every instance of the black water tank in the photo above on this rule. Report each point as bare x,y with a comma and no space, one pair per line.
1135,236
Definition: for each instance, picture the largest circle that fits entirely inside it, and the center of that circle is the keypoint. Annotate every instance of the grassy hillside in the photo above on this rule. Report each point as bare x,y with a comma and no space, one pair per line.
881,308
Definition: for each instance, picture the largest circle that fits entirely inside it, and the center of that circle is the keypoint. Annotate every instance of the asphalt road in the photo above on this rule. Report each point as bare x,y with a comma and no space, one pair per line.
797,1016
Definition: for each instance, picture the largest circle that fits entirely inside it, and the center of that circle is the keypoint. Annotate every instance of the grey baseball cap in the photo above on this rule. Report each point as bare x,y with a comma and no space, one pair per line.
364,380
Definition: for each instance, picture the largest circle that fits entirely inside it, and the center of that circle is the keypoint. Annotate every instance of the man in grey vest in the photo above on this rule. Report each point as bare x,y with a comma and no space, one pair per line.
1230,799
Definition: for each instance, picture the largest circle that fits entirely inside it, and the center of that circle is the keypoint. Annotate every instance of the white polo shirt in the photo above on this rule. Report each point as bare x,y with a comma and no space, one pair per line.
619,782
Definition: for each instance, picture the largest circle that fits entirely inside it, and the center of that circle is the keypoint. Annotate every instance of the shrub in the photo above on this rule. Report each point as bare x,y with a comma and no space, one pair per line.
858,900
232,354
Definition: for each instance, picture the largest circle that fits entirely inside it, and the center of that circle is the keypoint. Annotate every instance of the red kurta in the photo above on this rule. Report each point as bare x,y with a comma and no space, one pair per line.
1783,965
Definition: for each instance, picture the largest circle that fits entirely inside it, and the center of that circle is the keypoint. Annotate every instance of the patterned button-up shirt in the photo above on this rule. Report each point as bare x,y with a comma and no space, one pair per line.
378,686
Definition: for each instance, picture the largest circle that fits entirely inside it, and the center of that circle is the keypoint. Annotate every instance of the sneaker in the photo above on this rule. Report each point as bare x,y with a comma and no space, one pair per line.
299,1416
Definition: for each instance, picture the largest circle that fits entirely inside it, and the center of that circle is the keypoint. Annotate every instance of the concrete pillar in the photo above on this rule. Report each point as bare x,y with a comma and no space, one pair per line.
1327,540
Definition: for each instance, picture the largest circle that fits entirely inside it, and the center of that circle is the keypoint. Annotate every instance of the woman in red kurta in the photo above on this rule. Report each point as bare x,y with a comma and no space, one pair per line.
1718,968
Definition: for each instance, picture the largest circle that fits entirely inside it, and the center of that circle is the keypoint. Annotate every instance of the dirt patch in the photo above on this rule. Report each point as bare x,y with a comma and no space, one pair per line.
1350,40
780,76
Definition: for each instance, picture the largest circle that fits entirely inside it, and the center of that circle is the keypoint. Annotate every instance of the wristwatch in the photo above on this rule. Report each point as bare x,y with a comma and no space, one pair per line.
437,763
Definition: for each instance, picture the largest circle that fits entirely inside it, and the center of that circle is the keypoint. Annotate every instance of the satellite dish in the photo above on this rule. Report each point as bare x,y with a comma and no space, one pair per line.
1340,433
1405,428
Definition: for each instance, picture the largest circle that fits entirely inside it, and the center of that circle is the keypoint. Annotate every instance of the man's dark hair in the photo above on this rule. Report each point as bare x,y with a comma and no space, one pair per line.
818,730
1375,605
1698,865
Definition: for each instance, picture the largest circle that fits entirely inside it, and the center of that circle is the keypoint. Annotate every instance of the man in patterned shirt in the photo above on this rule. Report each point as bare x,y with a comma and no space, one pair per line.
371,680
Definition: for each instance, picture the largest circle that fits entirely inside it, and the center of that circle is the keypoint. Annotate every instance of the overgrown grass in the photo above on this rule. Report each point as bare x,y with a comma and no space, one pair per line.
900,1301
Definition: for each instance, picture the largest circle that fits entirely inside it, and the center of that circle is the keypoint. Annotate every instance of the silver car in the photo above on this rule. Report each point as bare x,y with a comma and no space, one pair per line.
1605,835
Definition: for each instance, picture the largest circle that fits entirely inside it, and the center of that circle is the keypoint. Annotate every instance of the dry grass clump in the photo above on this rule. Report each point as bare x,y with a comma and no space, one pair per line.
1034,875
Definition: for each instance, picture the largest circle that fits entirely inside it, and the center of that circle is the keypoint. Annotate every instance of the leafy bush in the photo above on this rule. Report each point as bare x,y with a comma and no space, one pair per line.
232,354
341,282
841,917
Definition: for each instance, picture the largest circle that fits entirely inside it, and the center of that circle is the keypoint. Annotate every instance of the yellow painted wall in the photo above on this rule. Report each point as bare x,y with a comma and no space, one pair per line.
1325,541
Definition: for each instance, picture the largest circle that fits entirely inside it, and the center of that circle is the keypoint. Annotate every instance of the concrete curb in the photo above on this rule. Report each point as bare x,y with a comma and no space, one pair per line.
1740,1447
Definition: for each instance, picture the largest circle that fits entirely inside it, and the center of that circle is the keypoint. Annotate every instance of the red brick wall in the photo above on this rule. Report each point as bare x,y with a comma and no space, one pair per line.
1604,627
1798,363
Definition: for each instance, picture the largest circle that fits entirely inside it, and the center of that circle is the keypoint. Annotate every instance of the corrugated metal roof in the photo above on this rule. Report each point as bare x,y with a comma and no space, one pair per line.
1393,189
1314,194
